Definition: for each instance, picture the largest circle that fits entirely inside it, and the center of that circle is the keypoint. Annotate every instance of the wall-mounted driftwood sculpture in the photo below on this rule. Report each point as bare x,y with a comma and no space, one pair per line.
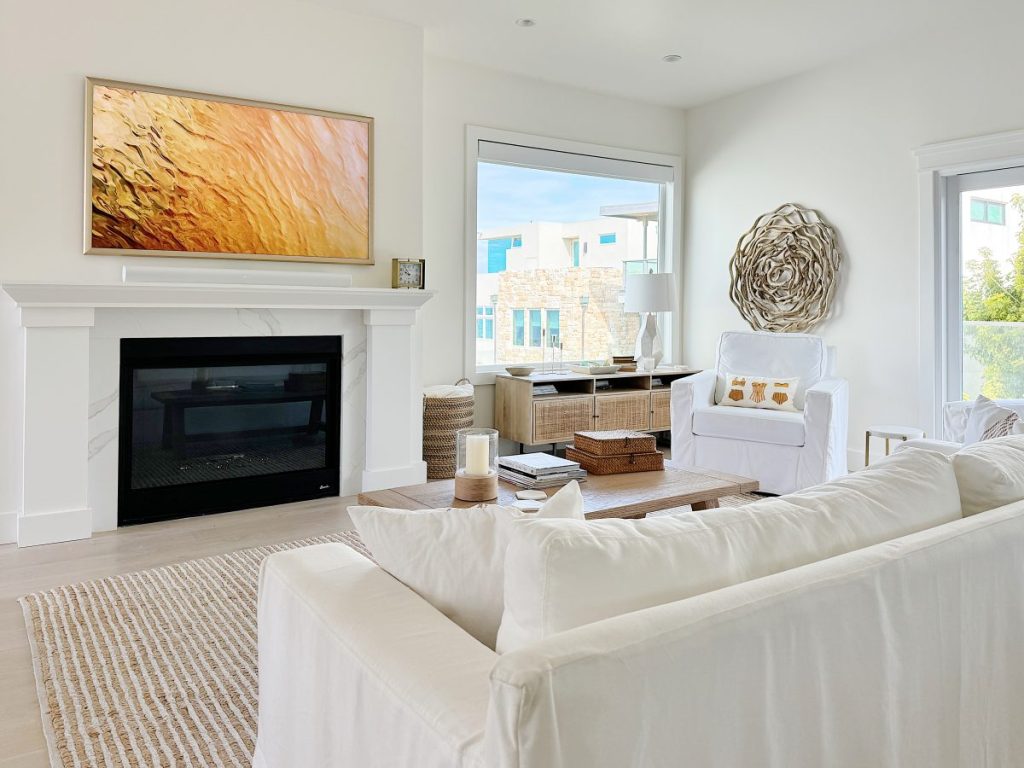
785,270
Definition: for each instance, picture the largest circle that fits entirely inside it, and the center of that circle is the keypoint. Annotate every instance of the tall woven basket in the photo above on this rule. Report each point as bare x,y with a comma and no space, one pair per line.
446,409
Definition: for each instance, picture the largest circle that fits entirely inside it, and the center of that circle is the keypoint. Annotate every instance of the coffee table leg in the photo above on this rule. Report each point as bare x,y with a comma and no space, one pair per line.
700,506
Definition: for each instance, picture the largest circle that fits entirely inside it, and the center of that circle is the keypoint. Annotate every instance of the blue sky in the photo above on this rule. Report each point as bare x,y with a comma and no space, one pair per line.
508,195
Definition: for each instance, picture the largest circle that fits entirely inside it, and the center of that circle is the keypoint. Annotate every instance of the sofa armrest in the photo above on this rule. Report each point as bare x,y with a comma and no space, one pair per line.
357,669
926,443
826,415
689,394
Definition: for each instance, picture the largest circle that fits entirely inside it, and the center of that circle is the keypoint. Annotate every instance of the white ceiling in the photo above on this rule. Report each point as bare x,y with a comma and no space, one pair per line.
615,46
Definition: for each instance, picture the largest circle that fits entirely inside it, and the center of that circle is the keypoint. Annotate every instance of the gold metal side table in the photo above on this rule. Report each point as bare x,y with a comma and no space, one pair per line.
888,432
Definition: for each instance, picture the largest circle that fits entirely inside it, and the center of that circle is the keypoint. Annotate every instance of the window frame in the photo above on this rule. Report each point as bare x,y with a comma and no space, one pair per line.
952,300
600,161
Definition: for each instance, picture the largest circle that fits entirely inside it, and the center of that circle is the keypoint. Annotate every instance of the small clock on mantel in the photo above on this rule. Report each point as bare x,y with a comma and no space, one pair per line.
408,273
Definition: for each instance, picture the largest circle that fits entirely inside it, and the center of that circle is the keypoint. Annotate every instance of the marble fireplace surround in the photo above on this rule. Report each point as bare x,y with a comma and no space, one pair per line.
71,365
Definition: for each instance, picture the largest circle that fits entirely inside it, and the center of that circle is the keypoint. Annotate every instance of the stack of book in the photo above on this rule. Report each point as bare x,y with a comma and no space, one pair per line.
539,470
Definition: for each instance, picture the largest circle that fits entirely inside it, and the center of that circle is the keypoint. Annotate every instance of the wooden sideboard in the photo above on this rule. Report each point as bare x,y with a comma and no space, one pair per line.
551,408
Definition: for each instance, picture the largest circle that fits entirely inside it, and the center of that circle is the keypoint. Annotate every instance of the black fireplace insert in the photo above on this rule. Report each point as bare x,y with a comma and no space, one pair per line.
216,424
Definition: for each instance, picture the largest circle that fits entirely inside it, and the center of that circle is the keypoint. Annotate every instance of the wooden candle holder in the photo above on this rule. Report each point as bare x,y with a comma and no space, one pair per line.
476,487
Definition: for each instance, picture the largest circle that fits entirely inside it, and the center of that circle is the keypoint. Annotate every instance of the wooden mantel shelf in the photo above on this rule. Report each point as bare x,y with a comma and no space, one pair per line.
212,296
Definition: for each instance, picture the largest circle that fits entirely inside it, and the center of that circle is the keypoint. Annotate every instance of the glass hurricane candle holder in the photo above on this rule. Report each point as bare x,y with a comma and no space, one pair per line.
476,464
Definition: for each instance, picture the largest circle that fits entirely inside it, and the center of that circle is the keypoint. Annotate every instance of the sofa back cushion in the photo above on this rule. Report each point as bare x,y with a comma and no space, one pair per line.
562,576
990,474
782,355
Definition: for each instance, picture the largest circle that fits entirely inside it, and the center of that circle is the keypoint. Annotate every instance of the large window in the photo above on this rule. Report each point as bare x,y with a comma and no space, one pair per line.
985,275
556,232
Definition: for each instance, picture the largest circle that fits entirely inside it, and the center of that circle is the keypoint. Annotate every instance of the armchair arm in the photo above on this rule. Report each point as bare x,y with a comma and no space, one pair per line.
688,394
826,415
357,669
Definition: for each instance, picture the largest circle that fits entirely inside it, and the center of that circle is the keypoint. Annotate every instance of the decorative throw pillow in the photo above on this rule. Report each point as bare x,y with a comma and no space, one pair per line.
747,391
455,558
988,420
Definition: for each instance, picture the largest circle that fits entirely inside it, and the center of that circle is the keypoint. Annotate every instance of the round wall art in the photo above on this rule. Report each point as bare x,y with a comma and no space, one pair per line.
785,270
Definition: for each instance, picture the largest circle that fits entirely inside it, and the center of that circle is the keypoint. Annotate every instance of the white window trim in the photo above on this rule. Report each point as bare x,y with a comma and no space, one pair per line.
935,164
670,232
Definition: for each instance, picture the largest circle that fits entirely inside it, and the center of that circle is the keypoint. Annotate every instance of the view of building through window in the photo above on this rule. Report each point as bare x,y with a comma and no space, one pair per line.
992,253
553,250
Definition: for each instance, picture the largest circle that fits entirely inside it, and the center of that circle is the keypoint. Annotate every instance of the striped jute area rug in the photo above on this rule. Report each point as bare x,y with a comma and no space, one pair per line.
158,667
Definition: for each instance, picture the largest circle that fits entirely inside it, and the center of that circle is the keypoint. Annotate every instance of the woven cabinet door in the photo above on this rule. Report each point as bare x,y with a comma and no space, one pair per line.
628,411
661,410
556,421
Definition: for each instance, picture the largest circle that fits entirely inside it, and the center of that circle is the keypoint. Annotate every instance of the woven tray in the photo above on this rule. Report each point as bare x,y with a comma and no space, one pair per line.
615,442
615,465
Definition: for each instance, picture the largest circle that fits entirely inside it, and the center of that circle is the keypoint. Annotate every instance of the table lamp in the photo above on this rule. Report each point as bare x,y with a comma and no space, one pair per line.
647,295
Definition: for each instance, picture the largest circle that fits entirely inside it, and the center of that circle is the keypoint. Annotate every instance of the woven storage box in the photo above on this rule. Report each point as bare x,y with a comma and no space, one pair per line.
615,465
615,442
446,410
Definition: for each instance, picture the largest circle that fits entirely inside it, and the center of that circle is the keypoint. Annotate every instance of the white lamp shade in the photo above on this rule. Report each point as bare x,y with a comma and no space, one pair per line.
650,293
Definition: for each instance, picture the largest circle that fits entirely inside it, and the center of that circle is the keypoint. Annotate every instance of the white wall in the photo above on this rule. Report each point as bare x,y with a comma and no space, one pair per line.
292,53
840,140
457,94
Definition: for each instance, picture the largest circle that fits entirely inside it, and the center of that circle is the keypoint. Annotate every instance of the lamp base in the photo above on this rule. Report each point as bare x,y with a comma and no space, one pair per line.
476,487
649,350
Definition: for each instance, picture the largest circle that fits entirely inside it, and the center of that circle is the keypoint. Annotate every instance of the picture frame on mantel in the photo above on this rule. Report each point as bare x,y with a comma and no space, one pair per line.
186,174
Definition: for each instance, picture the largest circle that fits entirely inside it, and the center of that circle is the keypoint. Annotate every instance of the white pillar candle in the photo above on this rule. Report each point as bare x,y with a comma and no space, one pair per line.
478,449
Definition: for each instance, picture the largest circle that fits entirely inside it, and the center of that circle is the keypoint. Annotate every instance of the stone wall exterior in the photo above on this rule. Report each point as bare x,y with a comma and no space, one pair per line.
609,331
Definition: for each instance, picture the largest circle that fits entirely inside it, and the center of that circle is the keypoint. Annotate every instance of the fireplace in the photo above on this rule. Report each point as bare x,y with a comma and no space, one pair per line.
217,424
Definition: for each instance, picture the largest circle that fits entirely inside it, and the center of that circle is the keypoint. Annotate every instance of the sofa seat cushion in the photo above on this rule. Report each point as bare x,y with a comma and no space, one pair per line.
750,425
566,576
990,474
454,558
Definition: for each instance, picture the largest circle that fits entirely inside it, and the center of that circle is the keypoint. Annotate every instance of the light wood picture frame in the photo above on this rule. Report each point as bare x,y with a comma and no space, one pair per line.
187,174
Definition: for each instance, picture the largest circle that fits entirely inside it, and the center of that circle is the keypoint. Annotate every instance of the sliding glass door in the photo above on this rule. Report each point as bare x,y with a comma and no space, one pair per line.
985,284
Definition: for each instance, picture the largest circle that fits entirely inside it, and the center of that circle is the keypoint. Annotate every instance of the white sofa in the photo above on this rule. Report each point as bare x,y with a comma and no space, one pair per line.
784,451
904,654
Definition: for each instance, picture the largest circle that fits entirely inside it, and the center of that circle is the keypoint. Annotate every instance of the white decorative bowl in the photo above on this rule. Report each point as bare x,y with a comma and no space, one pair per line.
519,370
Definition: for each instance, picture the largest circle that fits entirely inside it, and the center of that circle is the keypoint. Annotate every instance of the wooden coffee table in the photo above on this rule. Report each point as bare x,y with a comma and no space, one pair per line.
628,495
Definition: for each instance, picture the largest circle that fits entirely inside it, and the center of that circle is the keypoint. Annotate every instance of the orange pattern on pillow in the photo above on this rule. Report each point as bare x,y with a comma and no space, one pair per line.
760,392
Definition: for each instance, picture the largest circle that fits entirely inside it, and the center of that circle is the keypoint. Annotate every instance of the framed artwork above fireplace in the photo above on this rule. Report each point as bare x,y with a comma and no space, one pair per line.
176,173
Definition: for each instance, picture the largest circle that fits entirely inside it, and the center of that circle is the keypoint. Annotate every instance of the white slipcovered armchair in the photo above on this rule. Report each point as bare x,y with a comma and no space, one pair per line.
783,450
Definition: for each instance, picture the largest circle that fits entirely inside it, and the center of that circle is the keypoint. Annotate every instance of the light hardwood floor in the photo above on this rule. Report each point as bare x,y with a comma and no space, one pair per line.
127,549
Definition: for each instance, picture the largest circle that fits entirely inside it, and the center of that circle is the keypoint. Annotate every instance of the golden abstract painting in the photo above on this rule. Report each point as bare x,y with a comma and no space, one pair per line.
177,174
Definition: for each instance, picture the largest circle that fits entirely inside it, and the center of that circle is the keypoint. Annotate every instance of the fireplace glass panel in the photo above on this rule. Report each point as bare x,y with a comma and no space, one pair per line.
216,424
197,424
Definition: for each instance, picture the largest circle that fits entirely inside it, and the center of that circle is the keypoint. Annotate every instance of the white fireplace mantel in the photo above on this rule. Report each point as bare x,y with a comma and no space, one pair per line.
185,296
57,319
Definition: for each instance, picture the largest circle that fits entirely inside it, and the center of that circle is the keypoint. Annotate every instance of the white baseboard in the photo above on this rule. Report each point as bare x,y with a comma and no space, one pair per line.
394,477
51,527
8,527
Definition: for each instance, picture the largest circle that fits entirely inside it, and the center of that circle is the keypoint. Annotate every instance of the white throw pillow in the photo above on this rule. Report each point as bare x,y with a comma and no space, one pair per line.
988,419
746,391
455,558
990,474
560,577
